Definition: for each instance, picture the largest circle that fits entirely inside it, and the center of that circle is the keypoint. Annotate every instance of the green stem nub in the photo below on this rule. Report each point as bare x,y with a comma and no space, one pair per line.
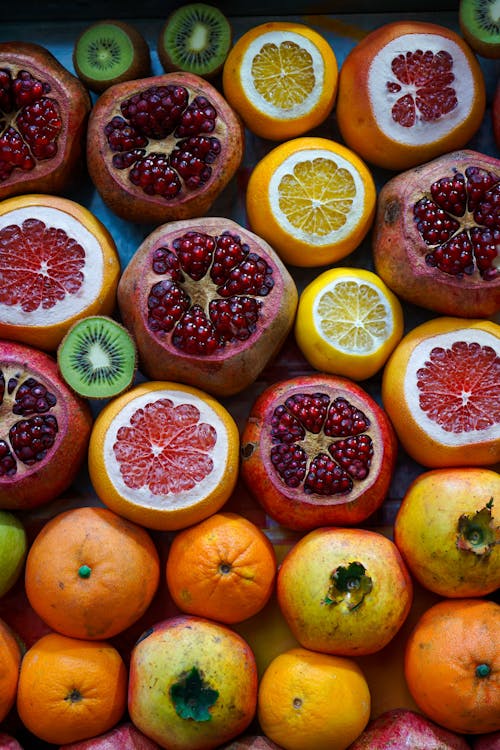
483,670
84,571
349,584
192,696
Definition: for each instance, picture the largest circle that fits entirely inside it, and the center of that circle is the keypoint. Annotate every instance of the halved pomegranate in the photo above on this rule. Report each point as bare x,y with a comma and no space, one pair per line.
43,120
163,148
44,428
436,235
317,450
208,302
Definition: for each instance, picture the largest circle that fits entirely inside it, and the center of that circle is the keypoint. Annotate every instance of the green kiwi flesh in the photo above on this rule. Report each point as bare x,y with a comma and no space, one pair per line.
196,38
480,26
97,357
109,52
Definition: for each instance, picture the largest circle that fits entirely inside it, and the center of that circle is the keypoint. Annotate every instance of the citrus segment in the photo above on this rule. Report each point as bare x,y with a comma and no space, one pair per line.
164,455
313,199
348,322
441,389
58,263
281,78
408,92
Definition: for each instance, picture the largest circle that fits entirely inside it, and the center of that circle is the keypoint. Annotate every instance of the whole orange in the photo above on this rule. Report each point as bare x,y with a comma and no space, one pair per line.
452,664
223,568
71,689
91,573
313,701
448,530
409,91
10,661
344,591
192,683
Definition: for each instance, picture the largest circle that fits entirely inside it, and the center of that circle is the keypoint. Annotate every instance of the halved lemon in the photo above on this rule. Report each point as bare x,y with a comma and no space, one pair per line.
281,78
164,455
312,199
348,322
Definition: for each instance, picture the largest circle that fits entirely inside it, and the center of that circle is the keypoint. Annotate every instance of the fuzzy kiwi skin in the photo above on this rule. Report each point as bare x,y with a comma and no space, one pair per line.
139,68
479,42
166,61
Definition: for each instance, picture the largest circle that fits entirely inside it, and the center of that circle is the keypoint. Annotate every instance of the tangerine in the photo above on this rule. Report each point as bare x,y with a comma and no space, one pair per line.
452,664
70,689
222,568
90,573
164,455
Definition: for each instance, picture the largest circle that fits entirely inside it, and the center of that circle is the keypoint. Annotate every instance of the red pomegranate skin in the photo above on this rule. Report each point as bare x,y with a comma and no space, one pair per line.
9,743
207,360
495,115
125,736
490,741
437,233
122,145
51,92
330,443
251,742
44,428
402,728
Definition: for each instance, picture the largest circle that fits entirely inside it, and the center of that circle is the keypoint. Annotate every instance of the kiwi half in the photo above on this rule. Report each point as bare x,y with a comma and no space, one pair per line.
109,52
97,357
480,26
195,38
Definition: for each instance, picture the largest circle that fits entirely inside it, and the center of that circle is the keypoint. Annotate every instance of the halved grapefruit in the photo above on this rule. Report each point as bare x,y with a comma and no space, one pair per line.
441,390
58,264
164,455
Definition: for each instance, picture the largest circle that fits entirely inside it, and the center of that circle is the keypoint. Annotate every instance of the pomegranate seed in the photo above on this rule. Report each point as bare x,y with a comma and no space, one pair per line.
345,419
14,153
32,438
154,175
290,462
234,319
156,111
198,118
354,455
309,410
8,466
122,136
251,276
229,253
195,252
286,427
167,303
165,261
194,334
325,477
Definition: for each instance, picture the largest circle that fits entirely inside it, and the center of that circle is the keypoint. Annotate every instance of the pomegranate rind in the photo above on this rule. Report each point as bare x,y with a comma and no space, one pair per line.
131,202
399,250
37,485
97,295
172,510
361,94
495,115
401,726
424,440
232,368
57,174
293,508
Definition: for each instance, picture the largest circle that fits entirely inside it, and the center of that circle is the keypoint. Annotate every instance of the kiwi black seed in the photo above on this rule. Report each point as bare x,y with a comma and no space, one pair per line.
109,52
195,38
480,26
97,357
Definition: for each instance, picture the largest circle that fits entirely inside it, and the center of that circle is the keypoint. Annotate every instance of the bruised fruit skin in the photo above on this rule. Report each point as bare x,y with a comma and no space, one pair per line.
43,119
208,302
437,233
317,450
401,727
344,591
448,530
162,148
44,428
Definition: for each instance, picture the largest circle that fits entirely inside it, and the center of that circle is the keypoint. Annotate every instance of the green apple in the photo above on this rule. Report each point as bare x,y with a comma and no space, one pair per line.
13,548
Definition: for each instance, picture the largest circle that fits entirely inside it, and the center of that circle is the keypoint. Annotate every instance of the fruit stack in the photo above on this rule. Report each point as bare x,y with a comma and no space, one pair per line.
250,383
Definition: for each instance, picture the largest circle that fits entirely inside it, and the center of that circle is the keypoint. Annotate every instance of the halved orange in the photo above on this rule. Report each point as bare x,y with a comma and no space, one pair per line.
281,78
441,390
408,92
58,264
312,199
164,455
348,322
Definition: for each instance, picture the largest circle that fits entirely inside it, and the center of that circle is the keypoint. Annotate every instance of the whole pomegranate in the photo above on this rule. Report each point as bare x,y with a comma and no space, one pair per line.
43,120
402,728
437,233
208,302
163,148
44,428
317,450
